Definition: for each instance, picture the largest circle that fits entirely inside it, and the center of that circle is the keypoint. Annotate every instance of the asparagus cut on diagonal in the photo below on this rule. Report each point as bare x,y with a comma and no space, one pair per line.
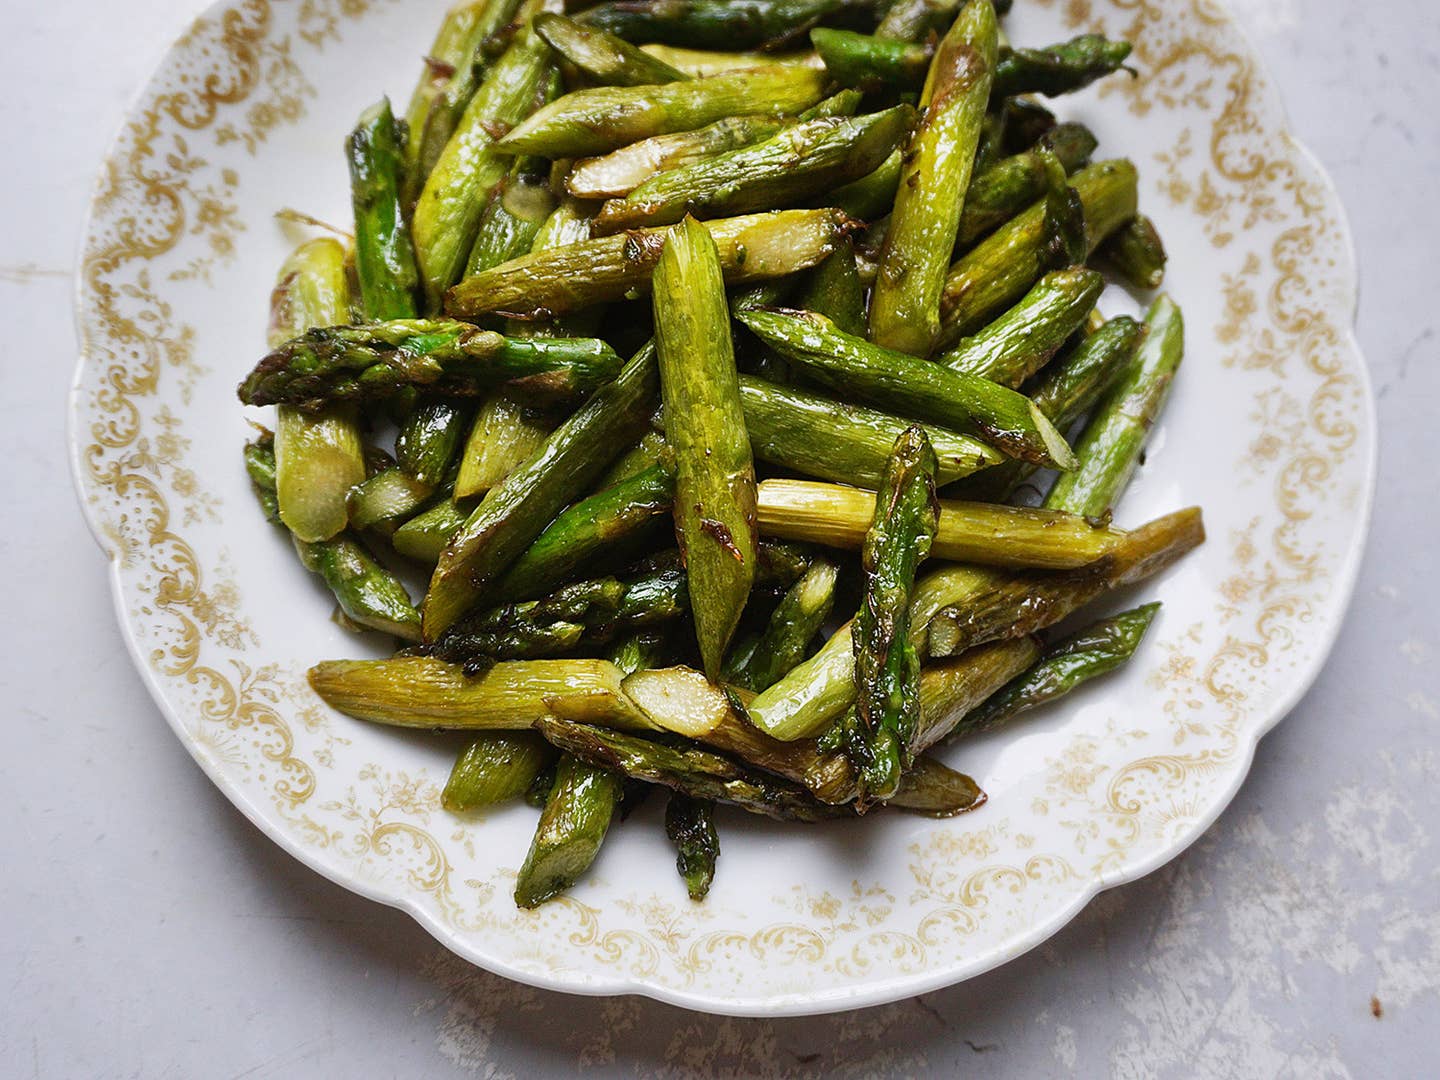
905,302
1137,254
834,289
1022,341
752,247
800,160
605,58
318,455
384,254
598,120
517,208
516,511
572,827
702,63
979,533
428,441
1114,438
690,825
1059,69
716,24
705,427
450,206
387,499
913,20
887,664
1006,188
424,536
1000,269
933,789
912,387
376,360
621,171
871,63
1066,665
792,627
495,768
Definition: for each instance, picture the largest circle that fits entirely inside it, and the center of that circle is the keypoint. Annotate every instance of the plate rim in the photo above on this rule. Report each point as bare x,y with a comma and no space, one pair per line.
868,994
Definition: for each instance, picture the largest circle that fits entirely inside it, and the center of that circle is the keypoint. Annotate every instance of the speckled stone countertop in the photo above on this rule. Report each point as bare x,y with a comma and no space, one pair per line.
150,931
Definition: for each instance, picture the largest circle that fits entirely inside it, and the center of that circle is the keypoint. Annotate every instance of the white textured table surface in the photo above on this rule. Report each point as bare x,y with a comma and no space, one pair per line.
150,931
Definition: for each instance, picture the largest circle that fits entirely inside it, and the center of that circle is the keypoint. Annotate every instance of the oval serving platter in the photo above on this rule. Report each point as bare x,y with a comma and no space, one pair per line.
1271,429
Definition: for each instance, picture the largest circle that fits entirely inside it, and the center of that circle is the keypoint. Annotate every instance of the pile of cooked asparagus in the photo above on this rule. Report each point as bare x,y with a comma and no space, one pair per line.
845,277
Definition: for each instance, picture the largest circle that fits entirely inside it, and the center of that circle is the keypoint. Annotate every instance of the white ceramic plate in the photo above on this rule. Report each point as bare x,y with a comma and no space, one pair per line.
1270,429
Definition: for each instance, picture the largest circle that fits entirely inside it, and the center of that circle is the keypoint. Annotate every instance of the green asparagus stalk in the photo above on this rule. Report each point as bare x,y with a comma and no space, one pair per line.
792,627
638,650
387,499
1010,185
702,63
1114,438
1059,69
648,452
495,768
716,24
425,535
871,197
714,471
833,289
913,20
572,827
1096,650
1026,123
598,120
1067,390
905,303
752,248
376,360
513,216
934,789
871,63
914,388
447,215
515,512
384,254
800,160
690,825
607,59
999,270
422,692
978,533
1137,254
319,455
834,440
1022,341
621,171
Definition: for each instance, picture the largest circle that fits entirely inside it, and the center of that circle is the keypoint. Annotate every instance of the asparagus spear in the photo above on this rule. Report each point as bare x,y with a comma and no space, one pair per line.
517,511
602,56
716,24
1000,269
887,665
1059,69
800,160
386,499
1006,188
702,63
448,212
1066,391
752,248
934,789
384,255
638,650
714,472
600,119
871,63
572,827
1113,440
649,451
376,360
690,825
872,196
1021,342
792,626
494,768
913,20
368,594
905,303
1137,254
978,533
517,208
915,388
621,171
1071,662
425,535
833,289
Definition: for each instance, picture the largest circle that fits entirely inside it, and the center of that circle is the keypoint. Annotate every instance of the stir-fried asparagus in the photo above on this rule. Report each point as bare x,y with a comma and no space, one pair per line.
1137,254
792,627
1007,187
572,827
621,171
871,63
605,58
1059,69
384,255
494,768
690,824
716,24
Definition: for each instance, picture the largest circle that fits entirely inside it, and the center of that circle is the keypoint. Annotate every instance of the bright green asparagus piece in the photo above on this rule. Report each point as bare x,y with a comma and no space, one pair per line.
872,196
1137,254
833,289
598,120
717,24
319,454
448,213
572,827
801,160
933,789
1006,188
871,63
690,825
905,303
426,445
384,255
1022,341
1058,69
517,208
494,768
425,535
609,60
1096,650
376,360
649,451
914,388
518,509
792,627
702,63
999,270
714,471
913,20
752,248
1114,438
386,499
621,171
